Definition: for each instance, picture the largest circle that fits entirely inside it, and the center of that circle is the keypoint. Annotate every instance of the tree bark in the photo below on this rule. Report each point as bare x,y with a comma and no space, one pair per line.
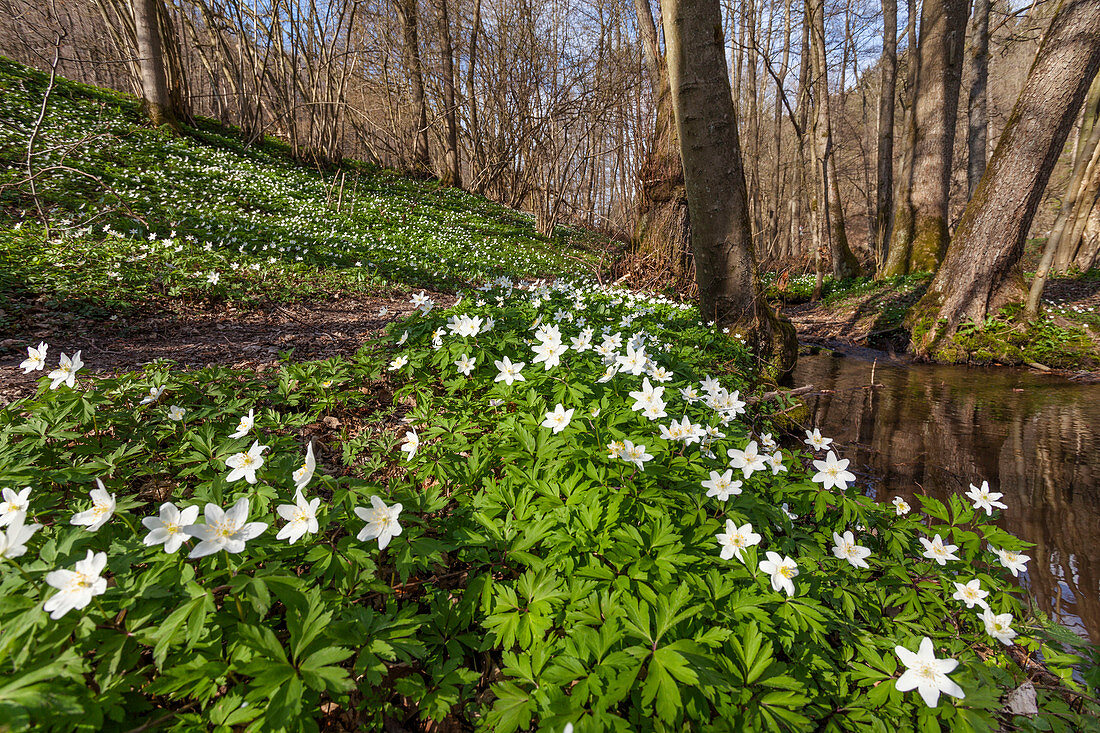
452,173
980,273
471,101
921,218
407,14
730,293
844,263
884,201
1087,161
977,116
151,63
662,223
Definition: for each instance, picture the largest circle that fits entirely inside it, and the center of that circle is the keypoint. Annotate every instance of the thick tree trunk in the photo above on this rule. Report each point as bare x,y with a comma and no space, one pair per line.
151,63
976,114
980,273
662,224
884,202
921,218
452,173
721,237
844,263
407,14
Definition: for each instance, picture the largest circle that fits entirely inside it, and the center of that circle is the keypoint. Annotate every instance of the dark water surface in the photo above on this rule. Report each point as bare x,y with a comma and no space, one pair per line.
937,429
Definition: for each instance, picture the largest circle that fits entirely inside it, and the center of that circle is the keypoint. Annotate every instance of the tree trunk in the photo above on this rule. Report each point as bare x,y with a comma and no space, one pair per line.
921,218
151,63
844,263
1087,161
1080,199
977,117
980,273
884,202
662,224
406,12
471,101
452,174
721,237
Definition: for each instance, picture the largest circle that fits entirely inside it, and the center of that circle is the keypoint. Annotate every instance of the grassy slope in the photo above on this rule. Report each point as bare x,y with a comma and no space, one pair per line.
163,212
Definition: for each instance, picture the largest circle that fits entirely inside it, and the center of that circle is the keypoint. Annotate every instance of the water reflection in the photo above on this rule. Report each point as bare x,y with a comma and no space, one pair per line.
937,428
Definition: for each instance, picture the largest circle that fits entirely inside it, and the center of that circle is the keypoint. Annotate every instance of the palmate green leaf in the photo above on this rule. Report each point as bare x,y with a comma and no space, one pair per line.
512,710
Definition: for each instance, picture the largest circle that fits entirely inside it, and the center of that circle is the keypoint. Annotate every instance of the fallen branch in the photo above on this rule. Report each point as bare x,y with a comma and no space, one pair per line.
779,393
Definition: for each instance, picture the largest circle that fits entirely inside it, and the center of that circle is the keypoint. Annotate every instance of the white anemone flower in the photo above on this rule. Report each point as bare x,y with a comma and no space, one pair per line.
398,362
66,371
168,528
176,413
635,454
301,518
748,460
983,498
816,441
103,506
935,549
465,364
14,504
244,427
1013,561
245,465
845,548
999,626
155,393
722,485
900,506
735,539
509,372
224,530
76,587
411,444
558,419
782,571
833,472
13,540
971,594
304,474
381,522
927,674
36,358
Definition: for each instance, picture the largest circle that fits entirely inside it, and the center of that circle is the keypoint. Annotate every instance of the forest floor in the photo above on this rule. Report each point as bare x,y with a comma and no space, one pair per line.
872,314
140,246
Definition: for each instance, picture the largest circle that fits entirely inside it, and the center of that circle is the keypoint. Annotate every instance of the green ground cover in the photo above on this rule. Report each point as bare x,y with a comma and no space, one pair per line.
549,505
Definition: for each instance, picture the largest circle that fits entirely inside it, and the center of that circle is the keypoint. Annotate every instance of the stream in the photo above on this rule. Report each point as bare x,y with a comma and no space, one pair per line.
936,429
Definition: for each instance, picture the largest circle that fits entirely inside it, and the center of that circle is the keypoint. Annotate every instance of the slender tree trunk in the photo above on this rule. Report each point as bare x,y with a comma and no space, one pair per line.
721,236
407,14
844,263
981,273
452,173
884,201
662,224
1086,161
151,63
471,100
921,218
1080,199
977,117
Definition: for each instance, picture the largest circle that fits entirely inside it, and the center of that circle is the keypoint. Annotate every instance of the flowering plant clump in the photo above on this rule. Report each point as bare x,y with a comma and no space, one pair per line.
558,517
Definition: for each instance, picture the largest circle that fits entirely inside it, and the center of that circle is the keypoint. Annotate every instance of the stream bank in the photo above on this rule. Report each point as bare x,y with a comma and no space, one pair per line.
867,313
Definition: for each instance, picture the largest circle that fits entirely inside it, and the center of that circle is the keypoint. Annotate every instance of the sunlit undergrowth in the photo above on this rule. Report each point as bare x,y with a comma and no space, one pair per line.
134,212
531,510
